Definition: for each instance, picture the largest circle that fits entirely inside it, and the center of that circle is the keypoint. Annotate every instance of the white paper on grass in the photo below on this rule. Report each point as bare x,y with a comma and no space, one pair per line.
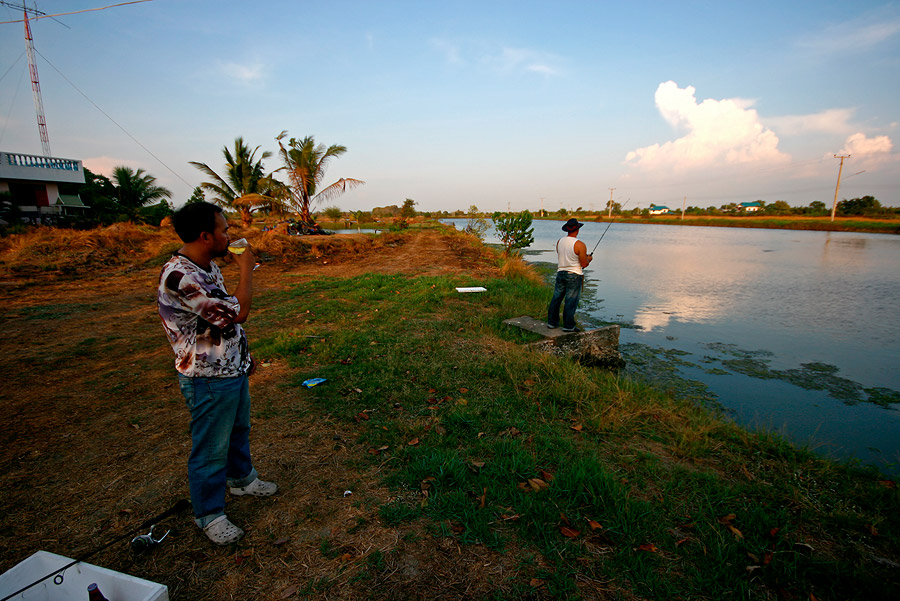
472,289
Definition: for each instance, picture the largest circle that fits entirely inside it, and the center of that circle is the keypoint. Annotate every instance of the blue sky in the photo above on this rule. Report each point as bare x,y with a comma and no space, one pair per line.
493,103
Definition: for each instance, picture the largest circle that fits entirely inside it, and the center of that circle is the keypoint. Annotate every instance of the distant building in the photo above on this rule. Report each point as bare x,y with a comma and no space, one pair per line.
751,207
33,183
656,210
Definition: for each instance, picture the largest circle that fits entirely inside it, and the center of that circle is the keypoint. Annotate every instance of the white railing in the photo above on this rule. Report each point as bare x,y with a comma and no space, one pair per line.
30,160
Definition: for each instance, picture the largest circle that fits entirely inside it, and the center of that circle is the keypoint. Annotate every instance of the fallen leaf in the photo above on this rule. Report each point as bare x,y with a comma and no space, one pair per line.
568,532
872,530
594,525
648,547
813,597
737,533
547,476
289,591
768,557
457,527
247,552
362,416
751,569
477,464
281,541
773,532
887,484
413,442
482,499
681,542
536,582
345,558
537,484
564,519
577,427
727,519
463,390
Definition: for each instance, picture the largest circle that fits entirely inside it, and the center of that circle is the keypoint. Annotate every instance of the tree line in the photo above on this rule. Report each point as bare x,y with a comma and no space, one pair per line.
243,185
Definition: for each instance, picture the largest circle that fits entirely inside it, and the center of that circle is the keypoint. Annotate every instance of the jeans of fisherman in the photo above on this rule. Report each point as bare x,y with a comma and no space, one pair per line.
566,292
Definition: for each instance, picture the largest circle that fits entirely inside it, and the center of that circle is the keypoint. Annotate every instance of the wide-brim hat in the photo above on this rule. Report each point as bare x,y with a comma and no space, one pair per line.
571,225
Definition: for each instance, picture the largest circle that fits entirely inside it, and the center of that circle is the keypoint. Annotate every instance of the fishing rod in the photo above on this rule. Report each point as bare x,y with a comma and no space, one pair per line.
178,507
607,228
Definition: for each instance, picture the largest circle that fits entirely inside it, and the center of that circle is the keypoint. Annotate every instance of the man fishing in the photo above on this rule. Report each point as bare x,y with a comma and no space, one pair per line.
202,322
572,258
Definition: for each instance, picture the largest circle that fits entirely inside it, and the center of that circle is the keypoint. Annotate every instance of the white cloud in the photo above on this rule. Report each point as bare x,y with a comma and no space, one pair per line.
832,121
858,144
104,165
719,133
511,60
869,154
859,34
449,50
243,73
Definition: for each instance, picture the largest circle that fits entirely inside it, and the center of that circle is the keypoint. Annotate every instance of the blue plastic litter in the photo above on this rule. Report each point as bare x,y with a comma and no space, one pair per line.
313,381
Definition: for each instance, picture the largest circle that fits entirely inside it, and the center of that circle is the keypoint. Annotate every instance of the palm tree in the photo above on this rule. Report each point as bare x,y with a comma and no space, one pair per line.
136,189
245,187
305,163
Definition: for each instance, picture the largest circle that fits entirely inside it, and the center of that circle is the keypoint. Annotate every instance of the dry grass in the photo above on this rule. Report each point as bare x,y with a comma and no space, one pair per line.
97,438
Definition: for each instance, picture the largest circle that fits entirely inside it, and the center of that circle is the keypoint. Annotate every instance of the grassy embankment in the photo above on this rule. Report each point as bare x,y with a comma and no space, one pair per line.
587,476
597,486
840,224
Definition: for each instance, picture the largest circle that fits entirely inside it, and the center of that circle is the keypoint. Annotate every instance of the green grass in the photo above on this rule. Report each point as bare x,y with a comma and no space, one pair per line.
685,501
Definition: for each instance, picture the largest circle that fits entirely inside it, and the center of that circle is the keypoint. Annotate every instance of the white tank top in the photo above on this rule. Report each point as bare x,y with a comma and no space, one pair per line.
567,258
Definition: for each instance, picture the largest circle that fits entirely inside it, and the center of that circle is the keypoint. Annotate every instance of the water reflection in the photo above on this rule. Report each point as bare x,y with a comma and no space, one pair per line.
819,306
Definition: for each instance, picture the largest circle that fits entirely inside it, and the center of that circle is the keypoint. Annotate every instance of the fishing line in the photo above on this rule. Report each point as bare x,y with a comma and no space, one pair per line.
607,227
57,575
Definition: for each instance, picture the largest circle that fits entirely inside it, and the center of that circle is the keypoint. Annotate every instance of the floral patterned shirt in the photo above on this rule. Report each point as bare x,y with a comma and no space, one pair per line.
198,316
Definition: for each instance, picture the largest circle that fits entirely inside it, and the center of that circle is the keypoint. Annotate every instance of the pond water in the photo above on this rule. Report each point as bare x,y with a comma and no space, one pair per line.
791,331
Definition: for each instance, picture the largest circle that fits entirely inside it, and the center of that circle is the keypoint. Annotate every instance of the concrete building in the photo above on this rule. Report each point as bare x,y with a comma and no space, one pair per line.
33,184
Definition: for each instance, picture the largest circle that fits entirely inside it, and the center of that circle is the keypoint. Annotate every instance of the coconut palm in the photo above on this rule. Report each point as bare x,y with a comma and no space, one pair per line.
136,189
245,186
305,163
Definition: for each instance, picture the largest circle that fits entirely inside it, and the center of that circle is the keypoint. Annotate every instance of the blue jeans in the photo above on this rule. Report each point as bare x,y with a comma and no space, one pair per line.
568,288
220,441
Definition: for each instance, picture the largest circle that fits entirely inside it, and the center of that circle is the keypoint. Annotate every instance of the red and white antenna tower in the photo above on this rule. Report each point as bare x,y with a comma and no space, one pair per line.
36,89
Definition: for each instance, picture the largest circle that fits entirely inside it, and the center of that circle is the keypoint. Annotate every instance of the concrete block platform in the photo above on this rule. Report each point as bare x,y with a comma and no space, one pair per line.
597,348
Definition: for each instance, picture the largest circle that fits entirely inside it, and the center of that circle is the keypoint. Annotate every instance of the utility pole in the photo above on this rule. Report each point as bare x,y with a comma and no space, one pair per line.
838,186
610,202
683,205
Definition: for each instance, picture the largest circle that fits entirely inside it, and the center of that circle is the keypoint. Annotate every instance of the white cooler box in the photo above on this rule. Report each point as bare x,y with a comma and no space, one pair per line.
115,586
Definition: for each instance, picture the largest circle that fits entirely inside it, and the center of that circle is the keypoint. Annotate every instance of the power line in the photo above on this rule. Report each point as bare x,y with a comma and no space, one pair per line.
86,10
127,133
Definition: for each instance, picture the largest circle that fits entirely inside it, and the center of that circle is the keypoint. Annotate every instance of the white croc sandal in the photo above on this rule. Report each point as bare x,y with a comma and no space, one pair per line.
222,532
257,488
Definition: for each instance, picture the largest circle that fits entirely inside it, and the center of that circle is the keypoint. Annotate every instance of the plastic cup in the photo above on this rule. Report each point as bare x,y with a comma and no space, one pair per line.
238,246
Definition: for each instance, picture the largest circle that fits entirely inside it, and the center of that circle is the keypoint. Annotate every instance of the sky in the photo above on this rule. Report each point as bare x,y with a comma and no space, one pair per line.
498,104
